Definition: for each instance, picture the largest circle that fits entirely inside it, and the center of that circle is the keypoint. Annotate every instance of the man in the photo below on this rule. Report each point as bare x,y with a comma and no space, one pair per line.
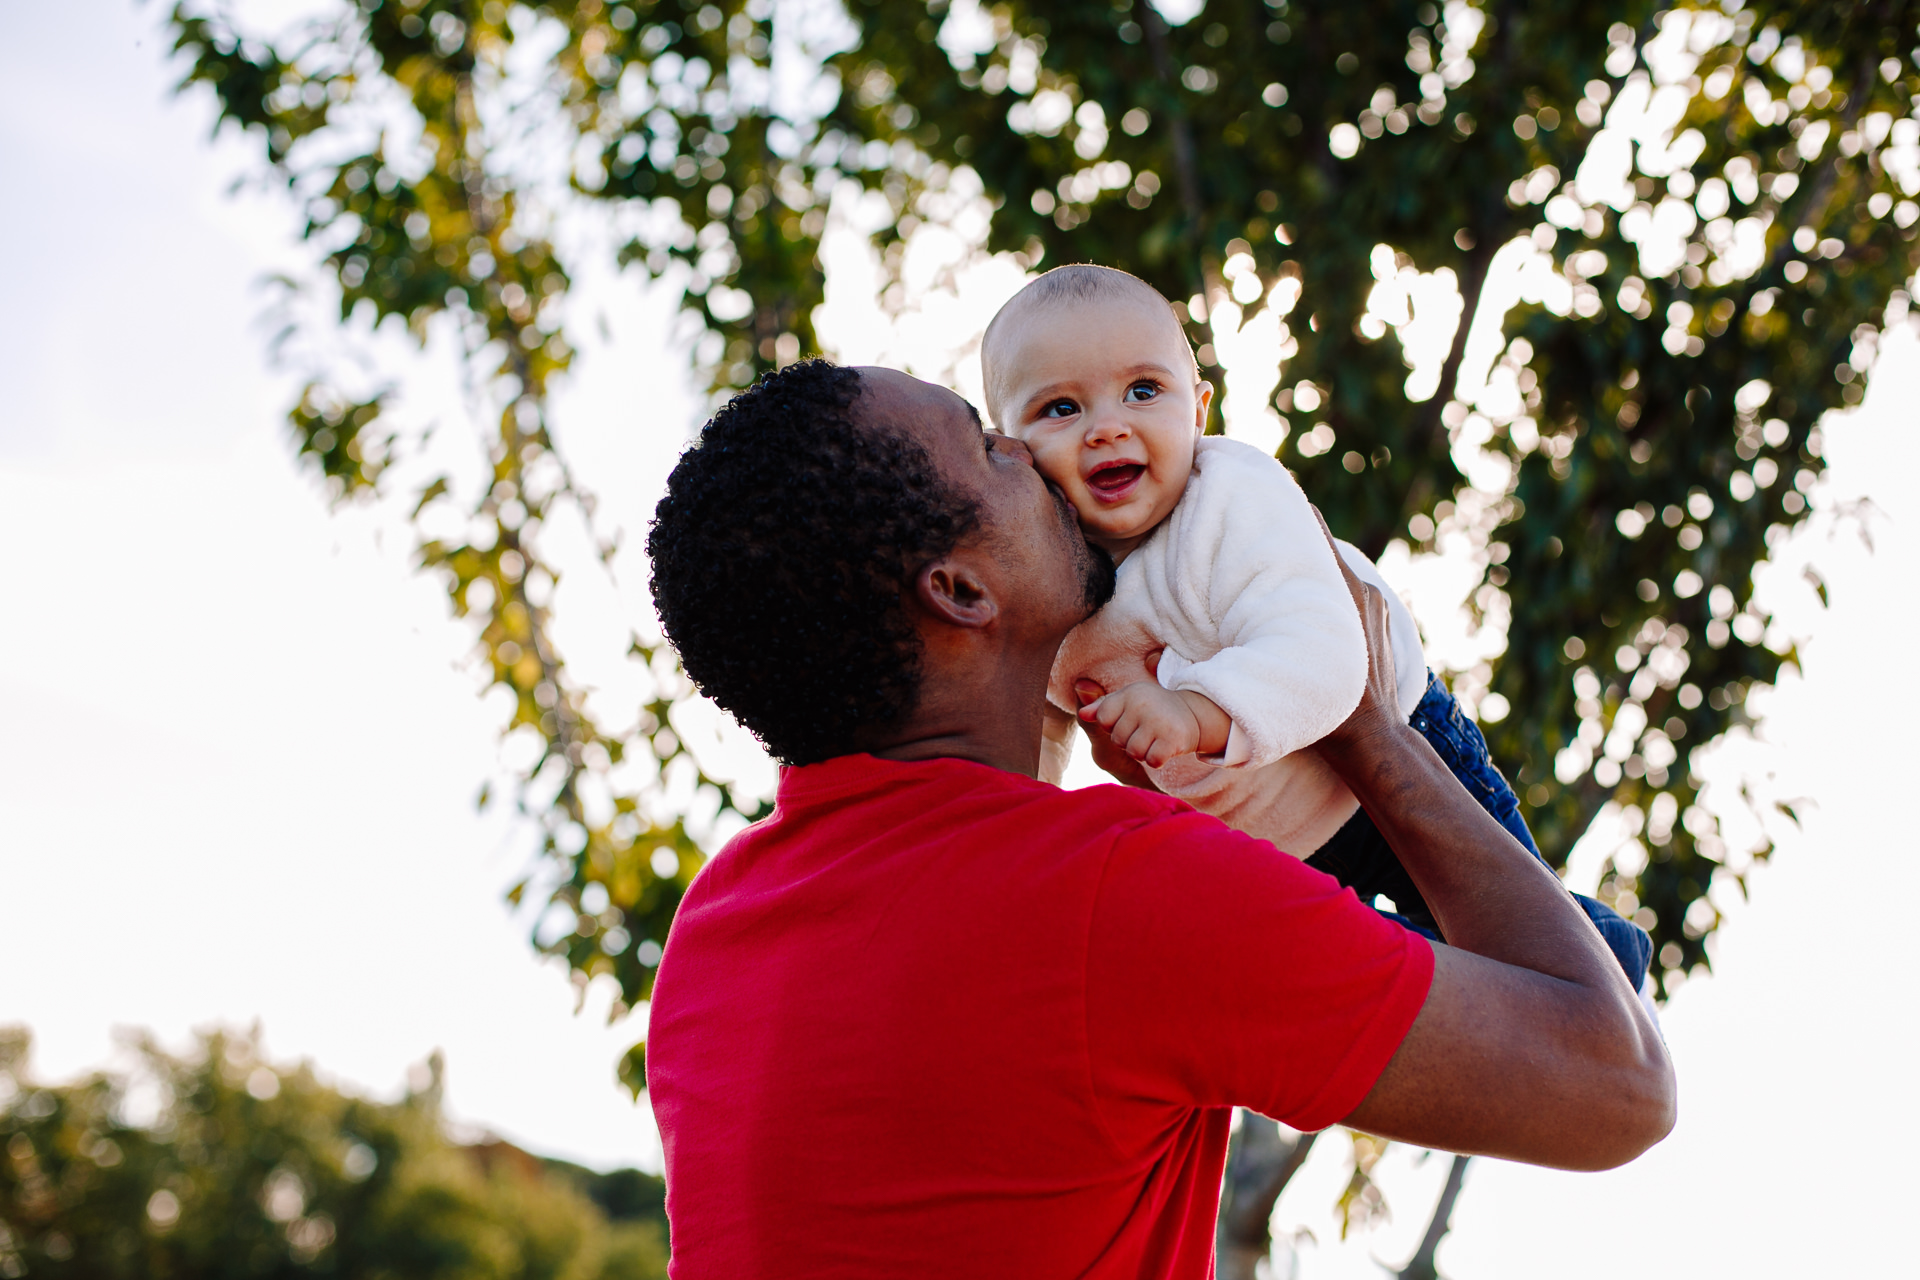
936,1018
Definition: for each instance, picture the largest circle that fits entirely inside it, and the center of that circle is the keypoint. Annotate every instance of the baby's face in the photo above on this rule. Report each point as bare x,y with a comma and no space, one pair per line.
1104,395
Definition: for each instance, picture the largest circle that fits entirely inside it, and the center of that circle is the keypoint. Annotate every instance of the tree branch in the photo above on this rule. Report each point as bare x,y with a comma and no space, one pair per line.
1186,170
1421,1265
1260,1164
1473,281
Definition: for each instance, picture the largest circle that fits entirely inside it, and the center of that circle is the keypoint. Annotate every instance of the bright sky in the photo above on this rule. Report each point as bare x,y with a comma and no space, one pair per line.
238,753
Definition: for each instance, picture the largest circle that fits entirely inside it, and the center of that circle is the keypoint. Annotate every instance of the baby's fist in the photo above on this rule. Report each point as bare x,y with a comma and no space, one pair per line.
1149,723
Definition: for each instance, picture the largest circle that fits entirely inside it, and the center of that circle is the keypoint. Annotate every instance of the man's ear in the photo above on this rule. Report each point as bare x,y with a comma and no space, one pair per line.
950,590
1203,398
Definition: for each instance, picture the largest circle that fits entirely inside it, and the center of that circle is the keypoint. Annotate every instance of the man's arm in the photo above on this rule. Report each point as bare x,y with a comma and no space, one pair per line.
1530,1045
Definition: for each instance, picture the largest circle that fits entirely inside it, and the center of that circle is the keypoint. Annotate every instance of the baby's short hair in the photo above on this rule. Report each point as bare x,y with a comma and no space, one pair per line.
1075,282
1087,281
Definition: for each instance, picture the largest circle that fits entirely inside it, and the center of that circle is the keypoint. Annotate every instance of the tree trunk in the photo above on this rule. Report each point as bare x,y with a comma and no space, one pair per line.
1260,1163
1421,1266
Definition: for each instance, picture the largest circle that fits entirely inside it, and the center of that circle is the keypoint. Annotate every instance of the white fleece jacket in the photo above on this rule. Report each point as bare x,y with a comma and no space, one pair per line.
1240,596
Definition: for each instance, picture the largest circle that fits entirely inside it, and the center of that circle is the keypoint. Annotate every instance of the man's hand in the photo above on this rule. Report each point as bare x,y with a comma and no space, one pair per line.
1153,725
1379,708
1056,744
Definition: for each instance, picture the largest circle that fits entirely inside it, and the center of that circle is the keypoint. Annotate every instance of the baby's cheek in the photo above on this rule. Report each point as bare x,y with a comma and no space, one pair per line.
1057,469
1093,517
1065,477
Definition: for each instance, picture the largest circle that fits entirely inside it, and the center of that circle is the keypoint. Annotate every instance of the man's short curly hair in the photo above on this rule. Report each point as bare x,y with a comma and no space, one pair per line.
780,553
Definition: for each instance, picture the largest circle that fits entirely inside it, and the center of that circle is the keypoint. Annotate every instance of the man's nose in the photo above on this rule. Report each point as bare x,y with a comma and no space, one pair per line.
1018,448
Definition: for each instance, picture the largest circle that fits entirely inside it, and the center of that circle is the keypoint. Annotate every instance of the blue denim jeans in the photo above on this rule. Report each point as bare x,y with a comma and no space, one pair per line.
1358,857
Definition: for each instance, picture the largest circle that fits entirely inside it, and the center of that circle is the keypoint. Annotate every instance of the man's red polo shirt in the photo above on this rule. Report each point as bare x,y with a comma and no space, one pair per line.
936,1019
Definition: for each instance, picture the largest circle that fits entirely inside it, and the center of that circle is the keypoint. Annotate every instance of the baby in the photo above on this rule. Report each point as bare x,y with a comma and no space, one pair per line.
1231,644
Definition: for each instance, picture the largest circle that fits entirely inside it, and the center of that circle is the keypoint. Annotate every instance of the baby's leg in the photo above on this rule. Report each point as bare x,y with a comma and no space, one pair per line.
1358,850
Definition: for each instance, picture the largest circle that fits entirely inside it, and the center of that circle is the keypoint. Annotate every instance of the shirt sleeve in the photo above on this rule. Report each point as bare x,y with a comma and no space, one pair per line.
1222,972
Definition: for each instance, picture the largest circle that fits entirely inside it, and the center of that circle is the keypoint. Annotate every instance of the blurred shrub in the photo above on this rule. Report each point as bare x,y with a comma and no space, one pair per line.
221,1164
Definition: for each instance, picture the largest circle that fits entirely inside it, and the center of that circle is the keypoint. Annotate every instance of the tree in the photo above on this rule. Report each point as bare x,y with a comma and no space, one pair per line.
1670,381
252,1169
1718,202
1309,157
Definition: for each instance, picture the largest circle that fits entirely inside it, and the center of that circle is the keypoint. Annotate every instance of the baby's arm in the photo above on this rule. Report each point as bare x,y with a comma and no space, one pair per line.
1153,725
1253,573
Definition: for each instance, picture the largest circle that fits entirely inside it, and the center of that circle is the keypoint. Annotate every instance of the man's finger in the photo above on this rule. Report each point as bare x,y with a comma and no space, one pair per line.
1366,597
1355,586
1375,630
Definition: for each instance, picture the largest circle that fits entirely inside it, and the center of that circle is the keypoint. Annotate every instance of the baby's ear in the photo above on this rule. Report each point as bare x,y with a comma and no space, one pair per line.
1202,399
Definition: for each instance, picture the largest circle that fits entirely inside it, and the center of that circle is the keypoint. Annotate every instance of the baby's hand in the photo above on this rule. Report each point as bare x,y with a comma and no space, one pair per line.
1153,725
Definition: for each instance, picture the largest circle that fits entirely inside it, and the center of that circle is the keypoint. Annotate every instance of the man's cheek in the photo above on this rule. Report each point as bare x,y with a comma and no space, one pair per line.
1102,576
1068,516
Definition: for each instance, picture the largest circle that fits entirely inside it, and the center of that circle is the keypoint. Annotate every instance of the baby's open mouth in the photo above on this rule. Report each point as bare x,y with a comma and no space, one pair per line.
1116,478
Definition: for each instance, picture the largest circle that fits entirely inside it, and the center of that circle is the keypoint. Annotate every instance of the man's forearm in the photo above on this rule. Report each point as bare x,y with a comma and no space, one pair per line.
1544,1056
1489,895
1530,1045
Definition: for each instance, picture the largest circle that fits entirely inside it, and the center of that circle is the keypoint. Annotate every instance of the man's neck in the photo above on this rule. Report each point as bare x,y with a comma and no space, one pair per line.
997,724
964,746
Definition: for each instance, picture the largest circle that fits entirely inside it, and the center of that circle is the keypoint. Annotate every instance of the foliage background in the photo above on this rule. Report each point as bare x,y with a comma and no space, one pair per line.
1628,475
242,1166
147,493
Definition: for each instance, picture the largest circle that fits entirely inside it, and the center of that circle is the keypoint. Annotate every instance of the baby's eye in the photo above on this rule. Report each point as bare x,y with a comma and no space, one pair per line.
1142,390
1059,409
